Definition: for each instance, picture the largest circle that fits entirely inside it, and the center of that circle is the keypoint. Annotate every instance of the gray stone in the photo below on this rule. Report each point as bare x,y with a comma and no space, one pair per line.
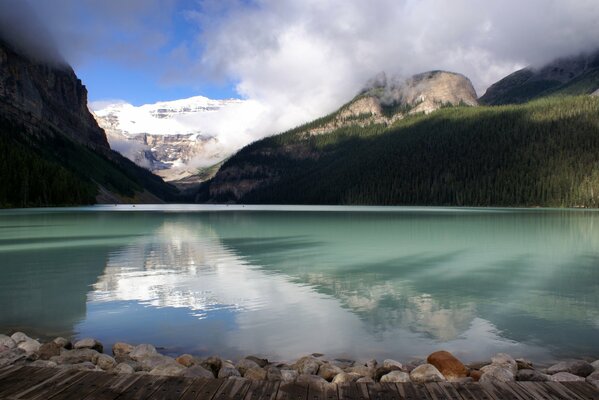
255,374
329,371
105,362
593,377
11,356
343,363
142,351
213,364
63,343
29,345
273,374
19,337
89,343
566,377
123,368
505,361
595,365
372,363
531,375
365,379
197,371
388,363
382,371
345,377
496,373
187,360
262,362
7,342
43,363
75,356
122,348
362,370
244,364
575,367
169,369
226,370
150,363
524,363
48,350
307,366
310,379
426,373
396,376
289,375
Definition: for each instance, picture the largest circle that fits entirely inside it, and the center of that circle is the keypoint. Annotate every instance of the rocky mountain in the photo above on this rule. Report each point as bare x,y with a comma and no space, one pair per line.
576,75
52,151
171,138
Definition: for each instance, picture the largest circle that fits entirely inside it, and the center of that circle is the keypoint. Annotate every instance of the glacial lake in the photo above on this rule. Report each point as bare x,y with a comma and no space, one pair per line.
284,281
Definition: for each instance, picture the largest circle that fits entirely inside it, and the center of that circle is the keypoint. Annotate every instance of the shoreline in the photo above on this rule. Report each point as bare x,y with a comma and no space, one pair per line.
145,359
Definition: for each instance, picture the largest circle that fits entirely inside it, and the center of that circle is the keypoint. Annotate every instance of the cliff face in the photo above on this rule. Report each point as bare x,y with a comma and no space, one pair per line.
46,97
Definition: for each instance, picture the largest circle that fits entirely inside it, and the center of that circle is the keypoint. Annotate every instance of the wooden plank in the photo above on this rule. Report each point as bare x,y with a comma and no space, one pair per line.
383,391
142,388
322,391
413,391
549,391
58,382
114,388
89,383
233,389
442,391
292,391
520,391
262,390
501,391
557,389
25,378
352,391
202,389
172,389
11,369
465,393
536,390
478,392
450,390
583,389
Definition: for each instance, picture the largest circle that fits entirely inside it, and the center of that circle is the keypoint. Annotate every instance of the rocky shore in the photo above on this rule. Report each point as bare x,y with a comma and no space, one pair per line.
20,349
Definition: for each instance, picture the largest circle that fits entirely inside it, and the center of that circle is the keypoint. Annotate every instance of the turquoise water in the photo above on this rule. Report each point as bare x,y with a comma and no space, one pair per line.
355,282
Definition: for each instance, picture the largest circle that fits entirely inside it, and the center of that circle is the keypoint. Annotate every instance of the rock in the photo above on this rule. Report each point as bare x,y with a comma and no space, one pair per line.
142,351
48,350
307,366
63,343
396,376
186,360
505,361
169,369
426,373
43,363
11,356
289,375
123,368
531,375
329,371
317,355
362,370
595,364
75,356
121,349
448,365
197,371
29,346
310,379
89,343
372,364
226,370
566,377
105,362
344,377
388,363
7,342
255,374
244,364
382,371
343,363
593,377
496,373
19,337
365,379
213,364
524,363
475,375
152,362
126,360
595,383
575,367
262,362
273,374
478,364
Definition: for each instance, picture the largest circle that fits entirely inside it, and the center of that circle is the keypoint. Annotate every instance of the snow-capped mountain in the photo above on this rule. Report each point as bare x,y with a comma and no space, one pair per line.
175,138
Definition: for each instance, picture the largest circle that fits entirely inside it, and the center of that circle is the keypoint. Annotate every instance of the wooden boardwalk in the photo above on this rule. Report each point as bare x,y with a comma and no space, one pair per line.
32,383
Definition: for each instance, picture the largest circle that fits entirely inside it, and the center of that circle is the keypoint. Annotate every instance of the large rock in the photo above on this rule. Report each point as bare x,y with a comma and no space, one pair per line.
343,363
289,375
213,364
262,362
123,368
48,350
105,362
396,376
389,363
505,361
426,373
524,363
372,363
226,370
197,371
311,379
362,370
11,356
329,371
595,364
186,360
7,342
448,365
273,374
382,371
151,362
122,348
142,351
531,375
169,369
576,367
345,377
29,346
566,377
496,373
244,364
75,356
593,377
307,366
89,343
19,337
255,374
63,343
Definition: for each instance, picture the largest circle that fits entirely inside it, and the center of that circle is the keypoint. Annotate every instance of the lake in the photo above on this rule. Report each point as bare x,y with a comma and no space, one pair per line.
281,282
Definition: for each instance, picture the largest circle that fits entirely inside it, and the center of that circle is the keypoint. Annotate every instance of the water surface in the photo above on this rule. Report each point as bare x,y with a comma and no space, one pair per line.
285,281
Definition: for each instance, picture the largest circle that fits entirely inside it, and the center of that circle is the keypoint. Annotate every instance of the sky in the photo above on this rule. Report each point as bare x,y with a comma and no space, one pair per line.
295,59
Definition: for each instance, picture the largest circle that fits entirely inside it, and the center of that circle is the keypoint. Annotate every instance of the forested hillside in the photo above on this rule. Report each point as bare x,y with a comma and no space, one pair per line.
543,153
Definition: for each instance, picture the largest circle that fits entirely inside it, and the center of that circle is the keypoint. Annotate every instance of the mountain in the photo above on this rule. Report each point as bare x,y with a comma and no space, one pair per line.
565,76
52,151
171,138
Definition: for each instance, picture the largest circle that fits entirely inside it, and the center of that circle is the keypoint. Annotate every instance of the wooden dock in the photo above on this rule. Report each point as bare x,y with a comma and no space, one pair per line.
33,383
